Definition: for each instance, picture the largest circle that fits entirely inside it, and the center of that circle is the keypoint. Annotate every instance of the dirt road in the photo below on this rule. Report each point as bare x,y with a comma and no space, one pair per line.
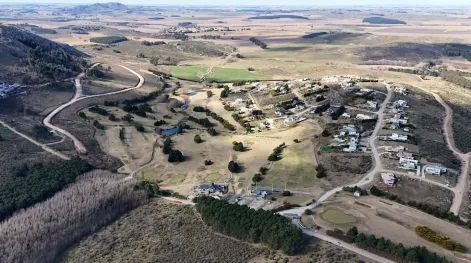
368,178
43,146
80,148
342,244
461,187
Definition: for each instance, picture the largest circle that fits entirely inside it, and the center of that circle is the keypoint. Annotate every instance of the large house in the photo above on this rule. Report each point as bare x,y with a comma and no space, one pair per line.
435,169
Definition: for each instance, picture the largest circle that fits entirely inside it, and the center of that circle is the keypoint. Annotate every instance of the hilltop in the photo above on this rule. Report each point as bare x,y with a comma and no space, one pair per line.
97,8
28,58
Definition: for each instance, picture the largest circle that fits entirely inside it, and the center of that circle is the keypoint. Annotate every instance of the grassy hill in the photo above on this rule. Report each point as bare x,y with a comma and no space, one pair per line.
29,59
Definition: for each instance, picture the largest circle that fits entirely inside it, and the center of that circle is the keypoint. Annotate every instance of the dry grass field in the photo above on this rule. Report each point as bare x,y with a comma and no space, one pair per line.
218,48
393,221
162,231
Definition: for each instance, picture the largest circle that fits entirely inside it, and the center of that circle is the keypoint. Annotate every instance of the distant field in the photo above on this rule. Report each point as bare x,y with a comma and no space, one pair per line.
108,39
196,72
193,73
235,74
280,17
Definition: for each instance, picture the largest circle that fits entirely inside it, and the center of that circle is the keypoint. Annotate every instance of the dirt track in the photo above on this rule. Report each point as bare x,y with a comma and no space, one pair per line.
79,146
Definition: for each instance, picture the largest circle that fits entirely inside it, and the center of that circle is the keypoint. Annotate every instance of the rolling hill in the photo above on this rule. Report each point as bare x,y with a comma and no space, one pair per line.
30,59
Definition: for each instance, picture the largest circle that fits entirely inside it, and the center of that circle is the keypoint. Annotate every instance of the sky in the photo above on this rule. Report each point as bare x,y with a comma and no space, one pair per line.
263,2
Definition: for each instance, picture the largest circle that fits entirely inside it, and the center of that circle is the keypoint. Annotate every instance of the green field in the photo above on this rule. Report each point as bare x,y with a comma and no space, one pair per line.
337,217
296,169
234,74
193,73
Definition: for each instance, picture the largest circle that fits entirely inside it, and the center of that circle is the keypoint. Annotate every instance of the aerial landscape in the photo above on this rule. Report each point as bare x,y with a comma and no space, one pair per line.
224,132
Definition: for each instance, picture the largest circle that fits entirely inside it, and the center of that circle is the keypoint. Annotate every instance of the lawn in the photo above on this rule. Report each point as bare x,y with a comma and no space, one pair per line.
193,73
337,217
296,168
235,74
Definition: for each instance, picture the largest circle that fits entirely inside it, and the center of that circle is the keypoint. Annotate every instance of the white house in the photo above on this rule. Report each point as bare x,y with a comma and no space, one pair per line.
361,116
398,137
372,104
388,178
435,169
400,104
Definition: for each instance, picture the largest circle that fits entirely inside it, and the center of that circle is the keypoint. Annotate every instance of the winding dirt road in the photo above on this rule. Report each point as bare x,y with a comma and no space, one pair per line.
369,177
79,146
461,187
42,145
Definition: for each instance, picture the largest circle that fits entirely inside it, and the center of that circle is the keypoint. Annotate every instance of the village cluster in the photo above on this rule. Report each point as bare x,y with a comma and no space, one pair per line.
397,134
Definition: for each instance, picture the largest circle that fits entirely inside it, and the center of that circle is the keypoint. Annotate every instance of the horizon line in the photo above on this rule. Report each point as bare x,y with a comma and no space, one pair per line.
244,5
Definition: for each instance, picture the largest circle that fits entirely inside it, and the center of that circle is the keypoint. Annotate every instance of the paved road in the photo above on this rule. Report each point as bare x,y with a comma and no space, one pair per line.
345,245
78,97
42,145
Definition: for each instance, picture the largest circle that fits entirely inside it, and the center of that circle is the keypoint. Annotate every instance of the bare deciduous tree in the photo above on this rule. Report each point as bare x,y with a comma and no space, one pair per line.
42,232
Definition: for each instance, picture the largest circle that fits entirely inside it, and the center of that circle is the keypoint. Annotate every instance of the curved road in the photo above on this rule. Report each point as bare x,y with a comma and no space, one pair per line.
78,97
369,177
462,185
42,145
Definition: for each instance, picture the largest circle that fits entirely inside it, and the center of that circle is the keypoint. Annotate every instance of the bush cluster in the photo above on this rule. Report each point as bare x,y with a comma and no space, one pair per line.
276,154
444,241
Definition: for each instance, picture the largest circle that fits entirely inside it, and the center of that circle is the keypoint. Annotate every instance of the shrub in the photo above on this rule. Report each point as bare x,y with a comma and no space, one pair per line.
325,133
199,109
444,241
209,94
167,146
321,172
41,131
112,117
276,154
225,92
160,122
208,162
82,115
98,125
122,134
238,146
98,110
128,118
376,191
286,193
139,127
263,170
175,156
257,178
197,139
234,167
258,42
212,132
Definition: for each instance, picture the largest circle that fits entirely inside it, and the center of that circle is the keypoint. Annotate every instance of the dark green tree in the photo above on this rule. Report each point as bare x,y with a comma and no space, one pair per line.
175,156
